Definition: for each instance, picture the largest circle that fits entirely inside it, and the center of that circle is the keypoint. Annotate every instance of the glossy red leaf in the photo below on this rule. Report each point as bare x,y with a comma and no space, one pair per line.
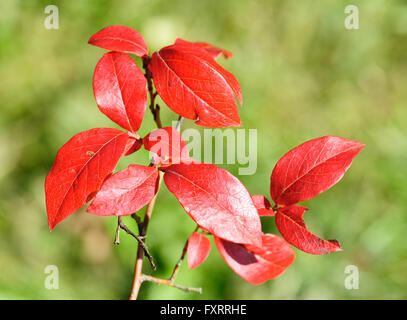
121,39
216,200
195,86
80,168
263,206
215,52
198,249
120,90
257,265
290,223
168,144
311,168
126,191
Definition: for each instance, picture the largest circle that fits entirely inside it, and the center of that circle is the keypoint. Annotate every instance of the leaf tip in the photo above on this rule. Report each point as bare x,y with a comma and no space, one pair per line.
52,224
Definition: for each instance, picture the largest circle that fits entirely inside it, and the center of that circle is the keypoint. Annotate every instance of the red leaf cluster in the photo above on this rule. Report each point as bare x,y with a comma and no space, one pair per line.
303,173
193,85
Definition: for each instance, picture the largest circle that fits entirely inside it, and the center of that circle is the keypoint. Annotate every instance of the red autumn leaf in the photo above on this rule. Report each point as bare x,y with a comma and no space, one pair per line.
257,265
311,168
195,86
132,146
126,191
290,223
80,168
121,39
198,249
216,200
215,52
263,206
120,90
168,144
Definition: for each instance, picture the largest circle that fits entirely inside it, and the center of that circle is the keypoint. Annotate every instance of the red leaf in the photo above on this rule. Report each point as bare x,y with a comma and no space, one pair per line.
216,200
257,265
168,144
194,86
263,206
120,90
215,52
132,146
198,249
120,38
126,191
311,168
290,223
80,167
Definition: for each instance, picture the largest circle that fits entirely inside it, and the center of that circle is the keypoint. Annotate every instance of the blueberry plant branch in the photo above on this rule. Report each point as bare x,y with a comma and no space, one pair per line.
192,84
137,279
138,276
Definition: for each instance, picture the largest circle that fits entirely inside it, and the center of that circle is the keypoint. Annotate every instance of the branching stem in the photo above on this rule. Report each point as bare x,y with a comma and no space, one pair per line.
139,260
139,277
170,283
141,242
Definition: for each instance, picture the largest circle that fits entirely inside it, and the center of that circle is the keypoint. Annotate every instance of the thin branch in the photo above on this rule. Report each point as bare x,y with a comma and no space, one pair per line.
178,265
140,239
155,108
141,242
138,276
205,232
169,283
138,221
139,261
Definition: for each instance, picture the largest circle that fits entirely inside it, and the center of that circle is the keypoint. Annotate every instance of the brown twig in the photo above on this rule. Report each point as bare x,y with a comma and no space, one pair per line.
138,221
178,265
155,108
170,283
141,242
139,261
149,211
139,277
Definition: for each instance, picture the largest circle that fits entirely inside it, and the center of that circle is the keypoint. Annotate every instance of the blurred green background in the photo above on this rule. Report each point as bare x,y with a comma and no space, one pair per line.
303,75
